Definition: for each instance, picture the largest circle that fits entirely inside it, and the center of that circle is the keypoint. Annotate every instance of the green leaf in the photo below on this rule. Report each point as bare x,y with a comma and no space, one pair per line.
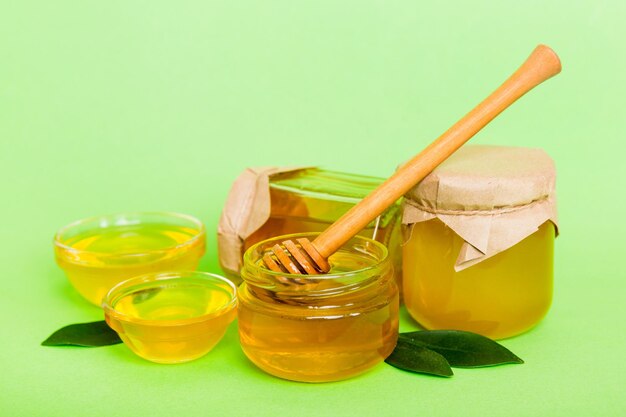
416,358
92,334
463,349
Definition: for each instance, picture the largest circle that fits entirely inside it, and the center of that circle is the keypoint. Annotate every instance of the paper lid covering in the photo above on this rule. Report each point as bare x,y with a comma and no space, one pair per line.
491,196
246,209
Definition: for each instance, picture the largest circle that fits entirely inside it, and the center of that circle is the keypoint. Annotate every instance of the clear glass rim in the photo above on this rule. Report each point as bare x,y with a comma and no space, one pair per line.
129,286
253,267
58,241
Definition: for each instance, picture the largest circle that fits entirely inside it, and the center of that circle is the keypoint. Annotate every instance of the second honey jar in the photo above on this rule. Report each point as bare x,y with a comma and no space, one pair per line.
479,235
266,202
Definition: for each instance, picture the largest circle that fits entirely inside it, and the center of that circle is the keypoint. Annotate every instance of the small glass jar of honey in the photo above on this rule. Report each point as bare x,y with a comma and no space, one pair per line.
317,328
479,234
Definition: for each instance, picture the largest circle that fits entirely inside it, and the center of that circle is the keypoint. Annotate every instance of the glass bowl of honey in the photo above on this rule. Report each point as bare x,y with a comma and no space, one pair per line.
99,252
171,317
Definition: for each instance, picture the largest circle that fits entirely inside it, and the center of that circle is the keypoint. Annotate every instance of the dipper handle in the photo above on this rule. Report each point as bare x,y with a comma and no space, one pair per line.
542,64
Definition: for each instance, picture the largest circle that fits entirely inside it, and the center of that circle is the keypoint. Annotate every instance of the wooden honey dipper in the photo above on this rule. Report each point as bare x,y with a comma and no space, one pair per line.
307,257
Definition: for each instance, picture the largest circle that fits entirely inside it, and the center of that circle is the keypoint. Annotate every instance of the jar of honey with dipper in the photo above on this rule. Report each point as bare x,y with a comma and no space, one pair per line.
318,328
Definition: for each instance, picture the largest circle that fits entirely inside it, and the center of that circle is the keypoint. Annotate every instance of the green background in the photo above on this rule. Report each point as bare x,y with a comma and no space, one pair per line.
109,106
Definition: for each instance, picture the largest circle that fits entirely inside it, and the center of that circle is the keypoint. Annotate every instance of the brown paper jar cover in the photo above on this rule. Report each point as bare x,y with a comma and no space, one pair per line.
268,201
491,196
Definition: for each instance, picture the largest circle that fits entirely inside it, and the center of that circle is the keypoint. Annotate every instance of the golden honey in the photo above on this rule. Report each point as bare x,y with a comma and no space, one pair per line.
310,200
499,297
171,317
98,253
323,327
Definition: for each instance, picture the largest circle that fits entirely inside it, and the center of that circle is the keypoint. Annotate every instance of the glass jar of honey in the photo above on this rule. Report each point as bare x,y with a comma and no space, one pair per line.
479,236
267,202
317,328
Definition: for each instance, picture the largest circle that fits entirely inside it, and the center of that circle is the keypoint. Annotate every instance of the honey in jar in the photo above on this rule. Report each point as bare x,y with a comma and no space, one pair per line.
317,328
268,202
479,236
